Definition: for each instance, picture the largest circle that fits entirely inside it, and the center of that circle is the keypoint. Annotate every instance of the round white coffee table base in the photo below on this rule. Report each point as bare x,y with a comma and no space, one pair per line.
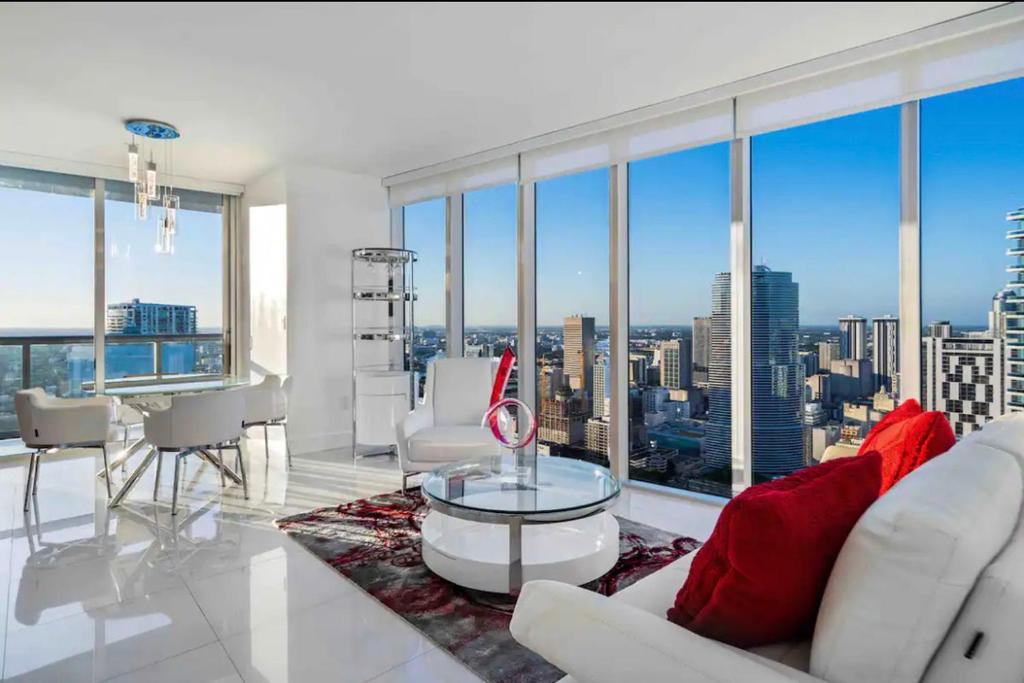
476,554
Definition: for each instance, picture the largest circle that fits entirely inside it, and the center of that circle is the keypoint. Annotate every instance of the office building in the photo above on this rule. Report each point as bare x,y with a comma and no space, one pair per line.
809,359
146,319
853,337
828,351
600,402
885,352
675,363
578,353
851,379
638,368
562,418
701,349
939,328
1014,313
963,378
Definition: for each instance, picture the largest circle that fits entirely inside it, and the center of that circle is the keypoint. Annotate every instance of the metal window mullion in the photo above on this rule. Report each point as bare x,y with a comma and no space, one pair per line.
454,308
910,252
99,280
618,270
526,299
741,315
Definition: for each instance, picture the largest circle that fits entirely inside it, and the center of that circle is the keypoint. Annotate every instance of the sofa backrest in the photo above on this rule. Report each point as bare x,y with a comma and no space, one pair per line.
910,562
460,389
984,643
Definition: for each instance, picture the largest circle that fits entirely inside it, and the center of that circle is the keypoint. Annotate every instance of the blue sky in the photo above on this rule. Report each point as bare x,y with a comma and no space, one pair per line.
51,287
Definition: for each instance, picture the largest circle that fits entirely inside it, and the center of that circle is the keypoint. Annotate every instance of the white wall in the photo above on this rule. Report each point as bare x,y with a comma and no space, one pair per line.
329,213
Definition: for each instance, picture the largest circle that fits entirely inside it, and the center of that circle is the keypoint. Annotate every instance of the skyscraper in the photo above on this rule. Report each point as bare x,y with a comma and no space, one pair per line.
940,328
776,371
828,351
963,378
578,350
602,386
885,352
853,337
701,349
675,363
1015,313
138,318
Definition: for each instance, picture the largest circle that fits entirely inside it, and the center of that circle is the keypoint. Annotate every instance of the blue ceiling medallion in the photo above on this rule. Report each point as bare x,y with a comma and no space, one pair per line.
157,130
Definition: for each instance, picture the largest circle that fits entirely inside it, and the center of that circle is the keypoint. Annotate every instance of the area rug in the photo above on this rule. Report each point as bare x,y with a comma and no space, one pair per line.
375,542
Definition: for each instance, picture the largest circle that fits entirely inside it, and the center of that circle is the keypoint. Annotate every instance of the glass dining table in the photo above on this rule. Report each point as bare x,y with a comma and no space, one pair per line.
143,396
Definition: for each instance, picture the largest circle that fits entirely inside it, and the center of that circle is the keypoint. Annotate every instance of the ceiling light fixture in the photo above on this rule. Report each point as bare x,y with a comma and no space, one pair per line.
147,186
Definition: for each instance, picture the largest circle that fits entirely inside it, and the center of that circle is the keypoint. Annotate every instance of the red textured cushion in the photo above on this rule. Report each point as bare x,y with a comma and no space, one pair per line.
760,577
907,438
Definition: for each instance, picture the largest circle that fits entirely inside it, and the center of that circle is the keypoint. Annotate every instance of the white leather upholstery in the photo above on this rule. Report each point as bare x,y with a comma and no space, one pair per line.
909,563
839,450
267,401
446,427
45,421
202,419
895,600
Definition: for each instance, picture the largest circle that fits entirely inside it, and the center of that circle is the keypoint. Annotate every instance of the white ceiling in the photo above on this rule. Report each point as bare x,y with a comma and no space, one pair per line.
384,88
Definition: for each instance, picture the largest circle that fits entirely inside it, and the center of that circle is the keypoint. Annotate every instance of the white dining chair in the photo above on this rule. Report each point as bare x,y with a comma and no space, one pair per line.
266,405
48,424
197,424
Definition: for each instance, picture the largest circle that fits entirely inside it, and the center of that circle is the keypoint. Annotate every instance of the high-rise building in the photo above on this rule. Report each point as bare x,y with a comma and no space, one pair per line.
561,418
145,319
885,352
1015,313
963,378
851,378
810,361
701,350
602,387
828,351
853,337
1002,304
637,368
578,353
675,363
939,328
776,372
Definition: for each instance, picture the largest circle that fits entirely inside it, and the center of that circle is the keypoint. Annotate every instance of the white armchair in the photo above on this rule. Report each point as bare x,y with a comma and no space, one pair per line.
47,424
266,405
195,423
445,428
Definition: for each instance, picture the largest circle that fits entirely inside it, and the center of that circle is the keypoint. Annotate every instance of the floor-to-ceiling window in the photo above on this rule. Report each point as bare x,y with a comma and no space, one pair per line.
164,313
46,228
972,241
489,273
679,333
824,286
572,315
425,228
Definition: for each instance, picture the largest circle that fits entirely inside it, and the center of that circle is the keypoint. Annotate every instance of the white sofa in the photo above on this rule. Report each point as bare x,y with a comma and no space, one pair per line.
445,428
929,587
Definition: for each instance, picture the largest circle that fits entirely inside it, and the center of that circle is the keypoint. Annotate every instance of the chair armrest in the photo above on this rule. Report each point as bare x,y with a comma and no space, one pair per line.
73,421
420,418
600,640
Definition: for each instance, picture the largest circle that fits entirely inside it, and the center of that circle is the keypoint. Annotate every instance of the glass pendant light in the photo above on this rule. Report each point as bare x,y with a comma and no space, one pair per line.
133,162
151,178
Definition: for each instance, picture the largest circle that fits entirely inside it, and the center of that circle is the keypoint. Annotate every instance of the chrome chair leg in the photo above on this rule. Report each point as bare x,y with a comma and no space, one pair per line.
266,440
174,495
287,450
35,474
220,459
240,464
106,467
156,481
32,464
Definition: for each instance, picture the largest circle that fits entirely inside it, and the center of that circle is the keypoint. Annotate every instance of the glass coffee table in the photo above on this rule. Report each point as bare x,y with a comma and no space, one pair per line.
499,521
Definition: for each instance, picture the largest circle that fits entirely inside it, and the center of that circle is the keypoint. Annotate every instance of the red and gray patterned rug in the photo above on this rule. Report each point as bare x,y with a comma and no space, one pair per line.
375,542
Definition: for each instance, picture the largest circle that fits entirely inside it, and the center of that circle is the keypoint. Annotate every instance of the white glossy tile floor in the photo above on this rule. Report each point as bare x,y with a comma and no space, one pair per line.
216,593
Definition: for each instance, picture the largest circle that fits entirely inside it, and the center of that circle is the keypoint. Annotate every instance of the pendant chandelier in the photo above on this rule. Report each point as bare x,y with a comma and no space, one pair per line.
154,139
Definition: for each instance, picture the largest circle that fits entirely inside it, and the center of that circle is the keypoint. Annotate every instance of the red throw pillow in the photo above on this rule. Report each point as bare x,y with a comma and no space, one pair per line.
760,577
907,438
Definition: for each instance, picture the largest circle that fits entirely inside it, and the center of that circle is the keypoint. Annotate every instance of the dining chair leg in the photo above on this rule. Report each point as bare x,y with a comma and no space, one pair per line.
156,481
266,440
32,459
287,450
220,458
35,474
174,495
241,471
106,468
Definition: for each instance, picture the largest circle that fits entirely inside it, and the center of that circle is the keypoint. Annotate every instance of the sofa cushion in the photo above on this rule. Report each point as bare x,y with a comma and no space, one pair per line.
450,444
910,561
759,578
907,438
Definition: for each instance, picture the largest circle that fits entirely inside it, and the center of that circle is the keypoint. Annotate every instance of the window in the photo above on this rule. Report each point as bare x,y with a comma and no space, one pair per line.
825,225
164,313
679,366
425,227
572,315
46,226
489,275
972,239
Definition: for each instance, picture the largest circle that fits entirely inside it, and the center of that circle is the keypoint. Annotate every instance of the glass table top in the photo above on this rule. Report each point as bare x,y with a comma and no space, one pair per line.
496,485
170,388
